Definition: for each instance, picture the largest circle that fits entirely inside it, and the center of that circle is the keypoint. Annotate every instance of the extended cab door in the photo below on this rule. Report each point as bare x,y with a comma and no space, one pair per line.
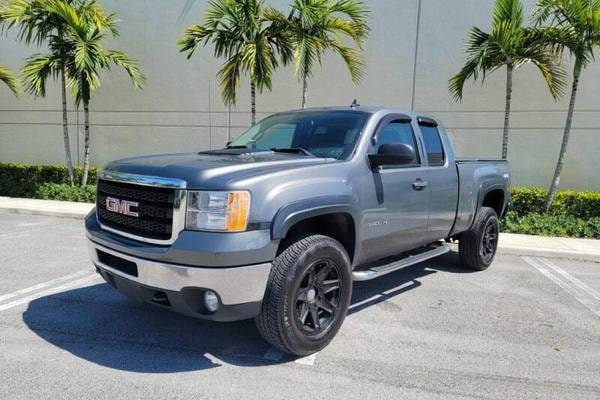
395,197
442,177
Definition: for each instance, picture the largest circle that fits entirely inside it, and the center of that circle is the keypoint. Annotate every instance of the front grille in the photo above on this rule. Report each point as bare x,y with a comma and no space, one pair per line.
155,210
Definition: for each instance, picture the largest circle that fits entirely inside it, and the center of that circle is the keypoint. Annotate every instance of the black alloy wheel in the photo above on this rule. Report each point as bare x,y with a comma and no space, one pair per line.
307,295
317,298
489,241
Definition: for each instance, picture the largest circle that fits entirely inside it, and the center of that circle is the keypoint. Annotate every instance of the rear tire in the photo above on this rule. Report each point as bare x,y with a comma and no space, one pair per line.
307,296
477,246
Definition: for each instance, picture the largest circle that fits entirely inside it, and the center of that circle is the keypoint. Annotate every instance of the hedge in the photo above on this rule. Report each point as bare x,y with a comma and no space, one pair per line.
584,205
575,214
23,180
552,225
66,192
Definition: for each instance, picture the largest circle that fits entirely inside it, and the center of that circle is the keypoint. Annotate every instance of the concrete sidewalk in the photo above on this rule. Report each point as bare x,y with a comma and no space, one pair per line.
588,249
65,209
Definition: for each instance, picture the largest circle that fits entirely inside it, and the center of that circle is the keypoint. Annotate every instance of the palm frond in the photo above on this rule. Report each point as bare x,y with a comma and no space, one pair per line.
10,80
229,76
355,10
29,17
38,68
572,25
192,37
130,65
353,59
457,83
508,10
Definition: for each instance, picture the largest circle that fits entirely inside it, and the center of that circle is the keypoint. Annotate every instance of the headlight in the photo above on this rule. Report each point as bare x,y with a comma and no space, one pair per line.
217,211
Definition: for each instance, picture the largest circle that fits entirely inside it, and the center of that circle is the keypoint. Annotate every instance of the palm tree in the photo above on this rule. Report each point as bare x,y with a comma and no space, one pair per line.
249,42
574,26
9,79
83,56
36,24
512,45
316,26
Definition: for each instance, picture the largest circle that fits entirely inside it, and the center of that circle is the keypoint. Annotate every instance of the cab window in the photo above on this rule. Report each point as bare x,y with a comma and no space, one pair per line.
397,132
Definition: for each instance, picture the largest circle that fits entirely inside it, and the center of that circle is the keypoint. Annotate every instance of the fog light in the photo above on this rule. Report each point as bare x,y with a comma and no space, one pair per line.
211,301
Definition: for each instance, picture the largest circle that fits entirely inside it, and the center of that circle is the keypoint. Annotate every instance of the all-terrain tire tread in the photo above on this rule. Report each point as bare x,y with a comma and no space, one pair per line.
468,244
268,320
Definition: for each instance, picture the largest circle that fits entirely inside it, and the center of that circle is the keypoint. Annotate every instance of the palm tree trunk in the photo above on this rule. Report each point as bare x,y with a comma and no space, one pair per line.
66,141
565,141
509,85
304,90
86,152
253,102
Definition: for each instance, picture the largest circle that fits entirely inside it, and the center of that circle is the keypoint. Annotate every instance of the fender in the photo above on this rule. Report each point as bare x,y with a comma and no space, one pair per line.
484,189
293,213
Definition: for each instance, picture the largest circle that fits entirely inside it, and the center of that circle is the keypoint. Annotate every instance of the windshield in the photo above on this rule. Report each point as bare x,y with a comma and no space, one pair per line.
331,134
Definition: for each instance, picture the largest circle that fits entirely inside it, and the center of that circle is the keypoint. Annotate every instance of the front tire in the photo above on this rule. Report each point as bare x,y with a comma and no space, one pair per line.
307,296
477,246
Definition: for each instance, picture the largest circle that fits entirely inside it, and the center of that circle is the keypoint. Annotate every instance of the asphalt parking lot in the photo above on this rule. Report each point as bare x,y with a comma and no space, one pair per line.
528,328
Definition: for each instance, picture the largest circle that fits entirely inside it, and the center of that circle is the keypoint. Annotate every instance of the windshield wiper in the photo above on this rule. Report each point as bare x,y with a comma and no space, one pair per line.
297,150
237,147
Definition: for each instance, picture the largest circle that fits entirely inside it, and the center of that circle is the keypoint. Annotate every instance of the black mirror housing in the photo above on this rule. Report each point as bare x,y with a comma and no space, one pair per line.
393,154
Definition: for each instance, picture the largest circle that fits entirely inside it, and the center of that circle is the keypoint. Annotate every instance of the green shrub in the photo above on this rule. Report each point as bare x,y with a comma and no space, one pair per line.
23,180
552,225
66,192
575,214
584,205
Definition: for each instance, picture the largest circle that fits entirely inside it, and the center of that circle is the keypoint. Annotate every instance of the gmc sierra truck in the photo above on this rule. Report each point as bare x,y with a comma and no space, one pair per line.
278,225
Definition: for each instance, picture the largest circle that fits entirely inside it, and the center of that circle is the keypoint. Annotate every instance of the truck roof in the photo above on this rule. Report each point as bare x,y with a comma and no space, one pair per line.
366,109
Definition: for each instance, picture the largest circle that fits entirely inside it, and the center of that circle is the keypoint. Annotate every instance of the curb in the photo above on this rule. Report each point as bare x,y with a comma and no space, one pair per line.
60,213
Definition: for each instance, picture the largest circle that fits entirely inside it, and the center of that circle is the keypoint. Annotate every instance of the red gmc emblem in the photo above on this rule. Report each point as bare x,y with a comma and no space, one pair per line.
122,206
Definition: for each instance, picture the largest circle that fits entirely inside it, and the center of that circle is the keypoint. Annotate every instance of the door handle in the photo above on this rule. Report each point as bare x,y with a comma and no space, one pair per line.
419,184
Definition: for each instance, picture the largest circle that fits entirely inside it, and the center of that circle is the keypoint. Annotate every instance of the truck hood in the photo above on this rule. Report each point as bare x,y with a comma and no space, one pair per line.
213,170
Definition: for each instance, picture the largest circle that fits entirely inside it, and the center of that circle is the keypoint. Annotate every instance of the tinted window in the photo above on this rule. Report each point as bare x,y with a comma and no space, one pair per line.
397,132
323,133
433,145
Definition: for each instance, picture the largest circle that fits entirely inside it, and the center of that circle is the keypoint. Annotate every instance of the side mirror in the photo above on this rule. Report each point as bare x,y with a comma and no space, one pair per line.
393,154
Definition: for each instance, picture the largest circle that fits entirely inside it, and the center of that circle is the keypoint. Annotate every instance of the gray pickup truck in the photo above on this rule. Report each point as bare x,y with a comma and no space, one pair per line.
277,225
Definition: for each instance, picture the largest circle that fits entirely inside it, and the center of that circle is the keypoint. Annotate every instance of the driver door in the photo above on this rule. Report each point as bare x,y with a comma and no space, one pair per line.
395,219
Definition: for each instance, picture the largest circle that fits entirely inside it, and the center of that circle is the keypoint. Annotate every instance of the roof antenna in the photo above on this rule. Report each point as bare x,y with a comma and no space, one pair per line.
354,104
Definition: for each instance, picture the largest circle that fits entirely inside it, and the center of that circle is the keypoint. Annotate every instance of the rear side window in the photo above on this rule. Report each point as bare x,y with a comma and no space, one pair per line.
433,145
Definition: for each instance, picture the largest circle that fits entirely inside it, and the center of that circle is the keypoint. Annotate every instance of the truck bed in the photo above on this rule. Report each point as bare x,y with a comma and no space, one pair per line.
476,176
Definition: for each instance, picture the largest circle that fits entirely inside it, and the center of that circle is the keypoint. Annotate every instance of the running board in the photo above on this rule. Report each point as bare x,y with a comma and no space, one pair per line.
380,270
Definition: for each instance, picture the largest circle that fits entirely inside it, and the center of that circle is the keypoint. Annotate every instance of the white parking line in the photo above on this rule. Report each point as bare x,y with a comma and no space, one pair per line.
48,292
43,285
570,284
576,281
308,360
276,355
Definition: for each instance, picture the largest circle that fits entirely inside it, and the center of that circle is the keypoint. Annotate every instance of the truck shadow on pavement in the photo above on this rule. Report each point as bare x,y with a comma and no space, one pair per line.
99,325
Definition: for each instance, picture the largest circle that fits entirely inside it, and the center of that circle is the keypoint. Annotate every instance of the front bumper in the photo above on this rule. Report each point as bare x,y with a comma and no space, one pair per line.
240,289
